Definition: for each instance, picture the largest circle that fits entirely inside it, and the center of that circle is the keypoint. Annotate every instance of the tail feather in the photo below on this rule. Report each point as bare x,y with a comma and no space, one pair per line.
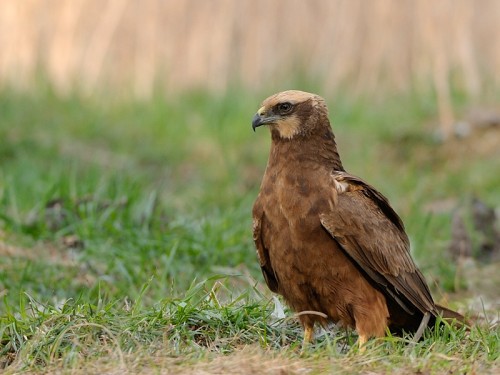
451,316
401,322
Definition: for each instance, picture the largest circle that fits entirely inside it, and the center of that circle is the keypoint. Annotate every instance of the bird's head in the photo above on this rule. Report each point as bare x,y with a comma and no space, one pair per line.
291,113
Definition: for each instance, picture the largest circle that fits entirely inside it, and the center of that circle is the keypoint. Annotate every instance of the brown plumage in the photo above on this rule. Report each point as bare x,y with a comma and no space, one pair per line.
326,240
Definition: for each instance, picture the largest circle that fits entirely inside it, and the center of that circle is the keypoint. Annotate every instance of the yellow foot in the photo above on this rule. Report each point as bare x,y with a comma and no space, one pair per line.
308,338
361,342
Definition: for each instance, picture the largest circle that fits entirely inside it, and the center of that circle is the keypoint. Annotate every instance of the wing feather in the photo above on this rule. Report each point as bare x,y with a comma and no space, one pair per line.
372,234
262,251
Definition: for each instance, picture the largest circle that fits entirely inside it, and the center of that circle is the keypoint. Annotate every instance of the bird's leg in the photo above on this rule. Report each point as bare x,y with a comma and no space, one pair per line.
308,336
362,340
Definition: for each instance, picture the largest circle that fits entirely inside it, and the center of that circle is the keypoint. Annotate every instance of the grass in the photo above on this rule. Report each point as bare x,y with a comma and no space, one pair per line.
125,235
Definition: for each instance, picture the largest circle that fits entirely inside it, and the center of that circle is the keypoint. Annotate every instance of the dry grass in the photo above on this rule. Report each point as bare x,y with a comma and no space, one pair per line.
255,360
172,45
246,360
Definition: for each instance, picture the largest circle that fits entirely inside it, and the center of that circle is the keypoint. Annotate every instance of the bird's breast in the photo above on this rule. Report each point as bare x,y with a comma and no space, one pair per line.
294,199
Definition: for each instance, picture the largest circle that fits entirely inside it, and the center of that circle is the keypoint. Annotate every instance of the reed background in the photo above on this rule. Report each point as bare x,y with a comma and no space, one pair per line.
170,46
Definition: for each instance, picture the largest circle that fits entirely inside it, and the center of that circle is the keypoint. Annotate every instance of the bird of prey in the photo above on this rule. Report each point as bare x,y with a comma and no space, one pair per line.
327,241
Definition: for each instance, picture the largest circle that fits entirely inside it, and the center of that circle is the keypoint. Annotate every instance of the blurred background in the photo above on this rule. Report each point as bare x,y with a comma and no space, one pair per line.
127,157
170,46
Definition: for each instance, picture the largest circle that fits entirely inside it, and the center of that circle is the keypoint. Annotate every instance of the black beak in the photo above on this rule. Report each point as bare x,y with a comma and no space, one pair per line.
257,121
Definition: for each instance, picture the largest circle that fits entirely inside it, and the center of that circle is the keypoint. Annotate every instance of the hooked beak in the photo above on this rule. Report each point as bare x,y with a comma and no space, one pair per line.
260,118
256,121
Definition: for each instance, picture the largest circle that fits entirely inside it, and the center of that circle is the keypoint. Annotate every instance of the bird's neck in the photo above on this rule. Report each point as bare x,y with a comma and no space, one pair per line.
301,152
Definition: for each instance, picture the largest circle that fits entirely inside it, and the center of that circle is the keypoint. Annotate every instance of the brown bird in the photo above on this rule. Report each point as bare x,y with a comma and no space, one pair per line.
328,242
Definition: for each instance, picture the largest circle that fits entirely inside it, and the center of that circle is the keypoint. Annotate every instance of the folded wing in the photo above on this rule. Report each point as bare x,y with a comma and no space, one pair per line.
373,236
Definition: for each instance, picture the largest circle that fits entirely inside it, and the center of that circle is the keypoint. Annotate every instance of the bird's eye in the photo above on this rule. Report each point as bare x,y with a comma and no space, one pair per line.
284,107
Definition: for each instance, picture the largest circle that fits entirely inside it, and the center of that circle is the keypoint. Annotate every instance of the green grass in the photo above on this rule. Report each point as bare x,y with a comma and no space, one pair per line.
125,234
